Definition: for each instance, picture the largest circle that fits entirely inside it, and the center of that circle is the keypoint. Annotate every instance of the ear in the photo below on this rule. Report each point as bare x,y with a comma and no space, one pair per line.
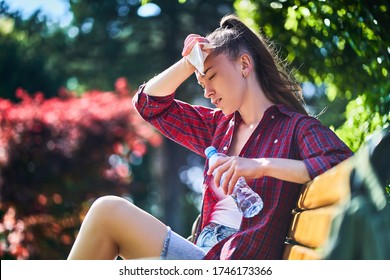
246,64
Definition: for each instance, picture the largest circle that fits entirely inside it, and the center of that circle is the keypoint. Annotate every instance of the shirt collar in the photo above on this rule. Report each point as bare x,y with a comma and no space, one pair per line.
272,110
281,108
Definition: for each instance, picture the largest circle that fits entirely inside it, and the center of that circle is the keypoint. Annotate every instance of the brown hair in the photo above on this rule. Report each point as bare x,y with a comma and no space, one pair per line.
234,38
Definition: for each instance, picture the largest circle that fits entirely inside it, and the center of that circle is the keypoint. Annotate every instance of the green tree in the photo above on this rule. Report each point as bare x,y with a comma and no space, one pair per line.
118,38
342,48
30,56
109,39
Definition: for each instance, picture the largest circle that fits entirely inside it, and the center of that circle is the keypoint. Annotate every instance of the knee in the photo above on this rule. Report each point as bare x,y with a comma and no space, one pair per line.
108,206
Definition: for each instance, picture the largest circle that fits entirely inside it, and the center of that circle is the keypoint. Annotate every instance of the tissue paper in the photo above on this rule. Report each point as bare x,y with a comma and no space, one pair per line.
197,57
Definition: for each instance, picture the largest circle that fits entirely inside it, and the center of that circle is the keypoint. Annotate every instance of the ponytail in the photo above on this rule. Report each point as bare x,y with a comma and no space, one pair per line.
234,38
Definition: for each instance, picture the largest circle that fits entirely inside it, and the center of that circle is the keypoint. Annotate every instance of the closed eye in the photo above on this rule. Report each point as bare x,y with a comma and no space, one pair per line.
211,77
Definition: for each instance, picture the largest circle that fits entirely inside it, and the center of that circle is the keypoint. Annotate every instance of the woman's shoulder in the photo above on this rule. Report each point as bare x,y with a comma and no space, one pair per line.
294,116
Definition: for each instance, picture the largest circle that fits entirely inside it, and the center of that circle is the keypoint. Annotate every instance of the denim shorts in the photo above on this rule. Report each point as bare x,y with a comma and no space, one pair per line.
212,234
178,248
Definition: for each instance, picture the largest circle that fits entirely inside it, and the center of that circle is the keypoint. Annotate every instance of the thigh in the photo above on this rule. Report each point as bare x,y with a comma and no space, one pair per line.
137,233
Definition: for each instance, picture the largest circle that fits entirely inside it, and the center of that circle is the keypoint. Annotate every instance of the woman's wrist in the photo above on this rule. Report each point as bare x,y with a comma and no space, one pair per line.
169,80
187,65
263,166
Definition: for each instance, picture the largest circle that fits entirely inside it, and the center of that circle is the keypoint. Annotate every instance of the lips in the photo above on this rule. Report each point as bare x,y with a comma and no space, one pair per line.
216,101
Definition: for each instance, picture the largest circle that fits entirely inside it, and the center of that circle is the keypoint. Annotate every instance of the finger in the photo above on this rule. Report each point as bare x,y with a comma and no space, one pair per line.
190,42
232,174
212,167
218,162
188,47
190,37
199,39
232,183
226,171
217,177
218,171
227,186
221,178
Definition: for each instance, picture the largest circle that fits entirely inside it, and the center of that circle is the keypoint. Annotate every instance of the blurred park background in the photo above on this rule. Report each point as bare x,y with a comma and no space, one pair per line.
69,133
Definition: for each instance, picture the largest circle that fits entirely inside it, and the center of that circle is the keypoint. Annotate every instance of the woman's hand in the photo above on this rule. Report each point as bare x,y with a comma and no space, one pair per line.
169,80
190,42
195,51
235,167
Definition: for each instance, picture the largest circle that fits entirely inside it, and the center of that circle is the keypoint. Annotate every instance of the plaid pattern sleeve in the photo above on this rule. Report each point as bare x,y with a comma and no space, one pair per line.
190,126
320,148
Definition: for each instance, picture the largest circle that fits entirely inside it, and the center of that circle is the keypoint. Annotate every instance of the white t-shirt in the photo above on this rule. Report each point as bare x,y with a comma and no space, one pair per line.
226,211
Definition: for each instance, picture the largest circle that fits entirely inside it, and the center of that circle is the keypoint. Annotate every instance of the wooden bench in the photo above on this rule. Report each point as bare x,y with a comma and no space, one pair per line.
320,201
344,213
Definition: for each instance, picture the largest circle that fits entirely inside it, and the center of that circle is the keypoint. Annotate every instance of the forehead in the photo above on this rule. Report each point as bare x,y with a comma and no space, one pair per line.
214,62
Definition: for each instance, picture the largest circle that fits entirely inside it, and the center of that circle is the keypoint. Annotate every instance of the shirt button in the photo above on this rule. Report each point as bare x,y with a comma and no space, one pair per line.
272,117
225,148
276,141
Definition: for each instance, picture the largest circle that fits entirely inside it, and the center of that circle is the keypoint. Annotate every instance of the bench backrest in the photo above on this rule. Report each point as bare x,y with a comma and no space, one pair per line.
319,202
344,213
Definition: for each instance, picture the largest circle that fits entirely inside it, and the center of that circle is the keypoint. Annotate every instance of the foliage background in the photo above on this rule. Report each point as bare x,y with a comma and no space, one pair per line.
340,47
69,134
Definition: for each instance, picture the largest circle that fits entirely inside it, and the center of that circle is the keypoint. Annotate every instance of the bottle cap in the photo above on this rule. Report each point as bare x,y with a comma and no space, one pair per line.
210,151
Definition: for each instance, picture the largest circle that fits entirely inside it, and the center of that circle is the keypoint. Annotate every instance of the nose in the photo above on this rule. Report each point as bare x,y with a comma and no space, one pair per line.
207,91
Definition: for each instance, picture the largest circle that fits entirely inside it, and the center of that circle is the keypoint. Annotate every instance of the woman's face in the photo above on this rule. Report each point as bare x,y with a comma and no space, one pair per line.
223,82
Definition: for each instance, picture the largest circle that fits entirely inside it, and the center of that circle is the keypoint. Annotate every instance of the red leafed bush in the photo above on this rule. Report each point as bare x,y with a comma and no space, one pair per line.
57,155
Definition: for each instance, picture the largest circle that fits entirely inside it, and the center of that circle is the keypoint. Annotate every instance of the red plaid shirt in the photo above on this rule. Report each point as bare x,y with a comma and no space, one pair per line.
280,134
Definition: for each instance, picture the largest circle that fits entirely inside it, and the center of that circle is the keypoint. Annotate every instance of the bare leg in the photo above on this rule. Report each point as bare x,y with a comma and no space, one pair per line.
114,226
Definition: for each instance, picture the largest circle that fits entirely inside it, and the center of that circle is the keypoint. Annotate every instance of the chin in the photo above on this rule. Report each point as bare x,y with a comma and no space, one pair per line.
227,112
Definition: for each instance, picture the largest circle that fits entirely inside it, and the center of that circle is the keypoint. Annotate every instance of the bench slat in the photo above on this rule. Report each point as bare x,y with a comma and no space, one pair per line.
311,228
297,252
328,188
319,202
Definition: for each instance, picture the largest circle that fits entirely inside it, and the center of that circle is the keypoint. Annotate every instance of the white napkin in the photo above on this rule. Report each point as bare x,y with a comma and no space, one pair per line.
197,56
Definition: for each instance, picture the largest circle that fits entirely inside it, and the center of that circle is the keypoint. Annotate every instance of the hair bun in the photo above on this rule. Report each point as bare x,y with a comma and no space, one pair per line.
229,21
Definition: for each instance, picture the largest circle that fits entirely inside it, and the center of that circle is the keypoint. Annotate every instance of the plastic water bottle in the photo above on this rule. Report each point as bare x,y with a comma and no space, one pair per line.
248,202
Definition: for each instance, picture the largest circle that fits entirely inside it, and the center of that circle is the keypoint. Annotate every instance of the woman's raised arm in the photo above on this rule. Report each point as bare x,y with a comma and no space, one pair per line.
169,80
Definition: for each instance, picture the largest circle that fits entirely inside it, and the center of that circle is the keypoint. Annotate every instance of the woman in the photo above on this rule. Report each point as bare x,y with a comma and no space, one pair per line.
260,123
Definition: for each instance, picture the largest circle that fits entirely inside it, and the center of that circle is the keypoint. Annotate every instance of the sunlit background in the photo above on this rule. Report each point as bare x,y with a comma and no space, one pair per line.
69,133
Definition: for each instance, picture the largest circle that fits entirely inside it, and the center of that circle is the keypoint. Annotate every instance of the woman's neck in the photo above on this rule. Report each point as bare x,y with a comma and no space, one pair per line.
253,107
